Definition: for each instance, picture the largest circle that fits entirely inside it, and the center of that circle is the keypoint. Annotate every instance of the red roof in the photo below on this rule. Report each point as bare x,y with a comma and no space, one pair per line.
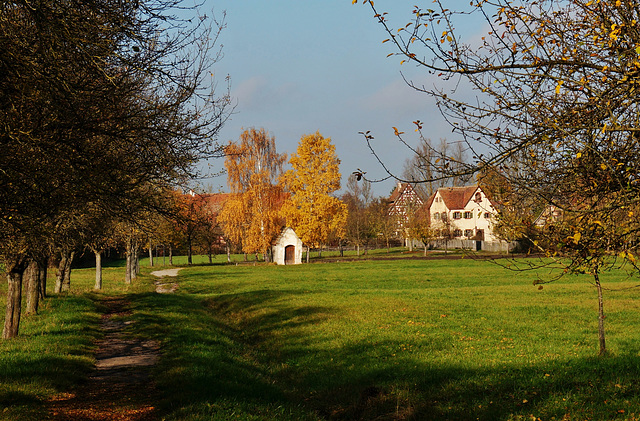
399,190
457,197
215,201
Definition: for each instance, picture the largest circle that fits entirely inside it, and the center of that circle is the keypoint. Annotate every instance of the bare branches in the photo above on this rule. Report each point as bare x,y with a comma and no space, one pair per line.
553,109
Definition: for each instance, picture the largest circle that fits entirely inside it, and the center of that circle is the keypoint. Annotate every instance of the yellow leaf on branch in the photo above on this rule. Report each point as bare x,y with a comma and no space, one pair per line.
576,237
559,86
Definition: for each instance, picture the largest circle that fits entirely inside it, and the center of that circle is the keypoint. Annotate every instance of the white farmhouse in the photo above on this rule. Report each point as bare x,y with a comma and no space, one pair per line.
463,213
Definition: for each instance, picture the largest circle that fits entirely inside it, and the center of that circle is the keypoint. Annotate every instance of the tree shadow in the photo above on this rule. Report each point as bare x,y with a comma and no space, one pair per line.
249,352
52,355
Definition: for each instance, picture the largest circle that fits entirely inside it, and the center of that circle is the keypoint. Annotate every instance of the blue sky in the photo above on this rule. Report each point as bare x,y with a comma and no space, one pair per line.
298,67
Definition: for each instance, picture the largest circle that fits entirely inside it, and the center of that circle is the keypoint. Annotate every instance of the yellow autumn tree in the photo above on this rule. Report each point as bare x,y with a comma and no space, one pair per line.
252,216
232,219
311,211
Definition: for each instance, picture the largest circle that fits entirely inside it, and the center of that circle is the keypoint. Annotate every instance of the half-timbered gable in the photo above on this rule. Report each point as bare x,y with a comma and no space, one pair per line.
403,202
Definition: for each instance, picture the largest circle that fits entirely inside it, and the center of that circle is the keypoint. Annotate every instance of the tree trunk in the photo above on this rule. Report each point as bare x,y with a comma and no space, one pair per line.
98,284
127,271
170,255
228,253
425,249
43,266
601,317
14,299
136,262
66,281
60,274
308,250
189,251
63,279
31,279
129,263
150,254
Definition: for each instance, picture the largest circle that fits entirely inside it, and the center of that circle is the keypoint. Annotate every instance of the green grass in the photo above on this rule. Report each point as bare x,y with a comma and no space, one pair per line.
54,351
332,255
402,339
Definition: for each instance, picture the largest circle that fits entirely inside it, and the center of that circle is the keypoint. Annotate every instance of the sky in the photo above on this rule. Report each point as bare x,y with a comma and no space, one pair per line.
301,66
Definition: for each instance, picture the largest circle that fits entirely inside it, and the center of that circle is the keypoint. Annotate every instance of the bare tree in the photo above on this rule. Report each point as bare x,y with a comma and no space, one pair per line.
554,108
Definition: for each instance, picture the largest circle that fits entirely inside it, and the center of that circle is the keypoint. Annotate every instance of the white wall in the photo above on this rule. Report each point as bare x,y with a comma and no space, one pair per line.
286,238
478,221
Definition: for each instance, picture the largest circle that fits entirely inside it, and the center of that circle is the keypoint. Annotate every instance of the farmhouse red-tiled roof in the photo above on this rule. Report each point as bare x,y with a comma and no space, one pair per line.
215,201
429,201
457,197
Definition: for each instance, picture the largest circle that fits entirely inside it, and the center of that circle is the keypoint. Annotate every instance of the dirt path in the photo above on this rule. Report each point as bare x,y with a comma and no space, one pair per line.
163,287
120,388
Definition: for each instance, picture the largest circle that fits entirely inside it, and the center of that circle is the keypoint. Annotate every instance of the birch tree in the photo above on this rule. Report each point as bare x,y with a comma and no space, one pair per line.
253,171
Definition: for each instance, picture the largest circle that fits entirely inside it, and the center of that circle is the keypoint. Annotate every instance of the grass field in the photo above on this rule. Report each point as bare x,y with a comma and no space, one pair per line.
386,340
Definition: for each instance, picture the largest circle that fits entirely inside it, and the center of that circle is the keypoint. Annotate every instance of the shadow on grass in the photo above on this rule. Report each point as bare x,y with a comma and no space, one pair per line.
248,356
53,354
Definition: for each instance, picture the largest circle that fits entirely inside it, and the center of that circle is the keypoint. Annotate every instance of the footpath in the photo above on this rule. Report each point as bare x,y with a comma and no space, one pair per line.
120,387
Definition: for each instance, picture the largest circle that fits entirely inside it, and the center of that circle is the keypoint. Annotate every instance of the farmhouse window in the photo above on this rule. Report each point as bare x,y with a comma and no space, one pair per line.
468,233
457,215
457,233
478,197
468,215
487,215
436,216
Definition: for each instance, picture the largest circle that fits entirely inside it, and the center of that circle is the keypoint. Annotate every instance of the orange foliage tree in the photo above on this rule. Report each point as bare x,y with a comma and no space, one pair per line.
251,216
191,216
311,211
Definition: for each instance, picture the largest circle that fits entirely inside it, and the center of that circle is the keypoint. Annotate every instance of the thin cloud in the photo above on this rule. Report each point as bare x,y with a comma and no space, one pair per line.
397,97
